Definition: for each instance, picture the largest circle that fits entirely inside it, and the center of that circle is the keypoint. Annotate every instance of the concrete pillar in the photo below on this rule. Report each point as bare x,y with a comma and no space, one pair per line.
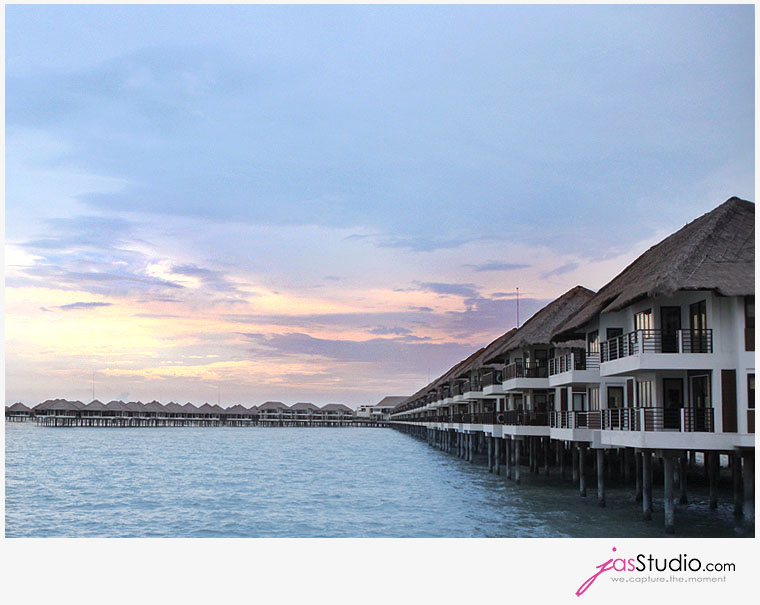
627,465
470,448
646,481
600,491
670,509
748,472
736,477
637,458
713,473
561,457
508,471
497,454
683,465
582,469
490,454
517,461
547,454
576,474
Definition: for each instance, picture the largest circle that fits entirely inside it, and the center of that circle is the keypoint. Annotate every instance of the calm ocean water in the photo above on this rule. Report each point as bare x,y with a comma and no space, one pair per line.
297,482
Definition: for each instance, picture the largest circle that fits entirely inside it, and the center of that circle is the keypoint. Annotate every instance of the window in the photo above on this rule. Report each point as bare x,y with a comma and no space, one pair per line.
643,320
593,398
579,402
751,391
592,341
644,396
614,397
614,333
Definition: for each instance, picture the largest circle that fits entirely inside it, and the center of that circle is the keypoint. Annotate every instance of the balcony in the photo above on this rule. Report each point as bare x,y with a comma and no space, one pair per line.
685,420
655,350
574,368
526,375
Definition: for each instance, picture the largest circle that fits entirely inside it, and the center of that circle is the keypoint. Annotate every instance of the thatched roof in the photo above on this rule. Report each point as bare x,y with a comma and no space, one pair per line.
118,406
133,406
333,407
153,406
390,401
96,406
273,405
18,407
173,408
61,404
303,405
189,408
478,361
714,252
538,330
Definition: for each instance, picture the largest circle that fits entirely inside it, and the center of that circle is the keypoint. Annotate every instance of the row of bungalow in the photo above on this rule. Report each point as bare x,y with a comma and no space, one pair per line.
60,412
655,367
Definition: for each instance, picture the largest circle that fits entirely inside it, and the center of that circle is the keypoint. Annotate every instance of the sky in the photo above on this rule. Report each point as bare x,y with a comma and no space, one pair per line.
338,203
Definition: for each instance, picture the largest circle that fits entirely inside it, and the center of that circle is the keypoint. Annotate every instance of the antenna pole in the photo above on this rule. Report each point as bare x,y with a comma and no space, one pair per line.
518,307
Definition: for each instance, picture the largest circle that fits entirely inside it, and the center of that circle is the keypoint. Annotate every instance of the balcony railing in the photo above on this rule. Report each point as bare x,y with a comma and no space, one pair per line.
654,341
492,378
526,369
573,361
688,420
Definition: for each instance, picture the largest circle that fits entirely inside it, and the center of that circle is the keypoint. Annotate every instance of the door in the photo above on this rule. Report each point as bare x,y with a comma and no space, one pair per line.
673,399
698,326
670,322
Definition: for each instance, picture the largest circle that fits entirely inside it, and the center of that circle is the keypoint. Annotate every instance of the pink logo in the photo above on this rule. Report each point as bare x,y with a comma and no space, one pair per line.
609,565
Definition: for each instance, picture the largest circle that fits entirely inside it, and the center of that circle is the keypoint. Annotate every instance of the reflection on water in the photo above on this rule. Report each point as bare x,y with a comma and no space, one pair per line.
299,482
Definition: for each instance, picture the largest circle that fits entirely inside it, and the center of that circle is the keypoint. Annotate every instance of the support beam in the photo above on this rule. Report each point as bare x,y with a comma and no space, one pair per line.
582,469
683,465
576,474
736,479
670,509
517,461
646,479
713,474
637,459
749,484
600,491
547,454
509,472
497,446
490,454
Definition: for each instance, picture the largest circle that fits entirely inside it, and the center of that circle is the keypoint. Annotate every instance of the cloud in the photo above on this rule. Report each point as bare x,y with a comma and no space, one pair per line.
467,290
567,268
84,305
384,330
496,266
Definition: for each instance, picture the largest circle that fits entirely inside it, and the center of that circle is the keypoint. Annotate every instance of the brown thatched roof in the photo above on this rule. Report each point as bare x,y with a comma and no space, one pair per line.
189,408
62,404
118,406
18,407
538,330
96,406
153,406
330,407
273,405
480,360
303,405
714,252
390,401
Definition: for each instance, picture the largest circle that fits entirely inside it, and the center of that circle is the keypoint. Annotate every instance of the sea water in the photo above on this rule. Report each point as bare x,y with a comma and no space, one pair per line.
300,482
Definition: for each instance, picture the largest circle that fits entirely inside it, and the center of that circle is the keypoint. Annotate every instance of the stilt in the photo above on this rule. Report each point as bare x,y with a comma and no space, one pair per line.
470,448
600,492
497,454
517,461
627,465
637,459
508,471
683,464
749,484
576,474
736,477
490,454
667,469
561,457
547,454
646,480
713,470
582,470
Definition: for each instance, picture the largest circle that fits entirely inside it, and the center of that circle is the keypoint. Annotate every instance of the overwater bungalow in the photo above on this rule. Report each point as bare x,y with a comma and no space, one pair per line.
18,412
658,363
